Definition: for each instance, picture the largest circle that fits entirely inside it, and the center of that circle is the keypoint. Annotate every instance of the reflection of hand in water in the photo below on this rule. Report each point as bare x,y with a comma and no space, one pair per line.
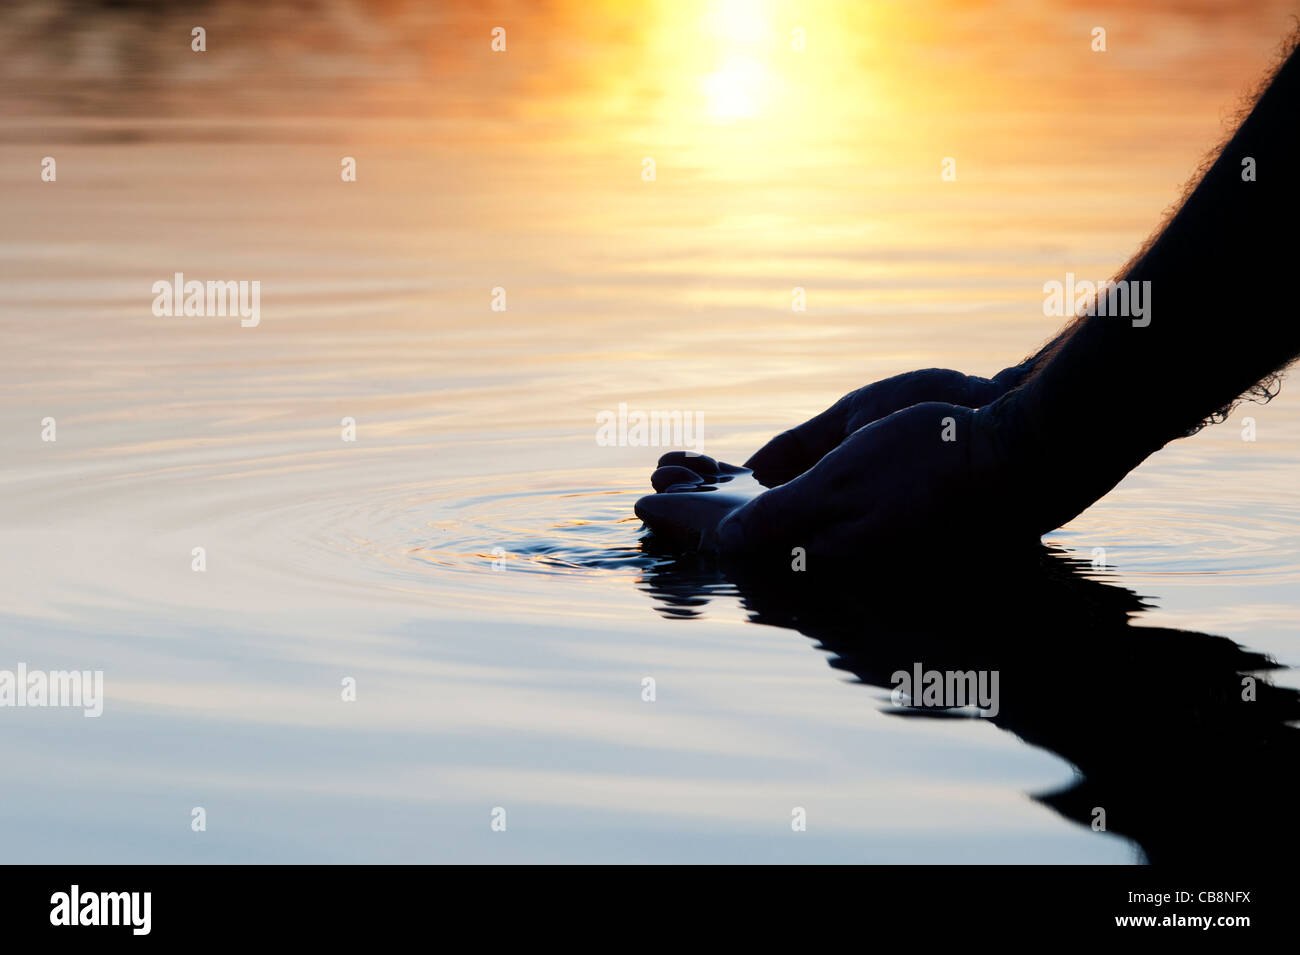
1152,719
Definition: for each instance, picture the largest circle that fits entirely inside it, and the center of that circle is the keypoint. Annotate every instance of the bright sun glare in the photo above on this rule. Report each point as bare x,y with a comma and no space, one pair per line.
742,82
736,89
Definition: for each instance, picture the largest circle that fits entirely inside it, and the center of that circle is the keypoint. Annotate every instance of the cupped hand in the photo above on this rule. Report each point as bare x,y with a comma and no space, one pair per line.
793,452
919,477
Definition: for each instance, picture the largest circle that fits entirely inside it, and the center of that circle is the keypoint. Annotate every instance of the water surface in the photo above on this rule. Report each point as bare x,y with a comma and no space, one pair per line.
471,559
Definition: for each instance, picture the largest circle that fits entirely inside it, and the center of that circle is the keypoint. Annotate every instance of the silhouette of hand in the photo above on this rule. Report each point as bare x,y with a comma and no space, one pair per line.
793,452
915,478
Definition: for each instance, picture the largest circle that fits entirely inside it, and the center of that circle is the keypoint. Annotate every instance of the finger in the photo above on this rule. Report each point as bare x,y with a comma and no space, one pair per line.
671,476
793,452
701,464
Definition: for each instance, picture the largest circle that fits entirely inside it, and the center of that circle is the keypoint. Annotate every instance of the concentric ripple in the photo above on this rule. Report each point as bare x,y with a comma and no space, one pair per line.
559,524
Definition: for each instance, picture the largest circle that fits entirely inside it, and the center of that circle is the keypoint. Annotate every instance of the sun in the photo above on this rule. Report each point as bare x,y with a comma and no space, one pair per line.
739,35
737,89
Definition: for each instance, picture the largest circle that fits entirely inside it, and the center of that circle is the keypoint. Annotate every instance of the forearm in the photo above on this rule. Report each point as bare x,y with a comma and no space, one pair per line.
1115,388
1219,317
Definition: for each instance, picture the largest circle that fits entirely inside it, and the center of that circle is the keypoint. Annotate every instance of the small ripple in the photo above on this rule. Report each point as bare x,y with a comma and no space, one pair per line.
1251,538
459,526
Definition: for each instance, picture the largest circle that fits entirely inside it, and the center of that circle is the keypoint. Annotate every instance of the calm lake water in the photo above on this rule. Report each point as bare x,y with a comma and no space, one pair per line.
471,560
